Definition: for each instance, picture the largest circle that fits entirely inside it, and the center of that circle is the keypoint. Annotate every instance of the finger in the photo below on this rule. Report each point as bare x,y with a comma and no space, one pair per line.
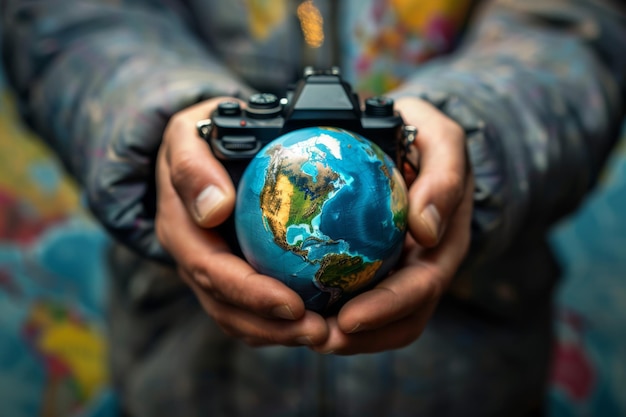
392,300
438,189
207,259
397,335
199,178
424,278
255,330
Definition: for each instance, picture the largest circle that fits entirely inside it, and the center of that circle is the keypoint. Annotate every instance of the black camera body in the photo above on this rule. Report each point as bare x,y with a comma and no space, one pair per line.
320,98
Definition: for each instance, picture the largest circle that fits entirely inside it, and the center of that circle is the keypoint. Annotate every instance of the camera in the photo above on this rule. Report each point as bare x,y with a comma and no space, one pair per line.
320,98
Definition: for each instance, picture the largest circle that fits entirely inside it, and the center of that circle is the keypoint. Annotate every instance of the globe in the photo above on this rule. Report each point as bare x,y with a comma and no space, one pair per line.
324,210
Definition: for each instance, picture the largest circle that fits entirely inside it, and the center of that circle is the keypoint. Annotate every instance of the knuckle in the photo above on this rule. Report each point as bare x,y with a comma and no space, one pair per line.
437,279
177,122
204,280
457,183
453,130
183,167
454,183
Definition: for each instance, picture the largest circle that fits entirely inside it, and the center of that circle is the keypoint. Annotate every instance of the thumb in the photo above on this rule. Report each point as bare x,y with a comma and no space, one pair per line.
440,185
200,179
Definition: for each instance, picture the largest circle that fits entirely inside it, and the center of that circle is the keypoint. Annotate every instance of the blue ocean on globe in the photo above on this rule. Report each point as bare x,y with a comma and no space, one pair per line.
324,210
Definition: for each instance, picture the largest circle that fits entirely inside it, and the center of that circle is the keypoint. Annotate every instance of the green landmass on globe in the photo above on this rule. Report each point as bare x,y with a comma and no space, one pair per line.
324,210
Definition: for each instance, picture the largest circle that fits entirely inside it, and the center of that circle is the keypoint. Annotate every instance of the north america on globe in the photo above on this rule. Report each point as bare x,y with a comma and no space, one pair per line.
323,210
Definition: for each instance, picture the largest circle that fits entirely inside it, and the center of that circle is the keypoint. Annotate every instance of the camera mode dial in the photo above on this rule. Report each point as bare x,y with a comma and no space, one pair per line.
263,106
379,107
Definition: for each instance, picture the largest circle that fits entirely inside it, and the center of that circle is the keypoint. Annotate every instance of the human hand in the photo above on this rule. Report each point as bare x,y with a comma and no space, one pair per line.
194,194
394,313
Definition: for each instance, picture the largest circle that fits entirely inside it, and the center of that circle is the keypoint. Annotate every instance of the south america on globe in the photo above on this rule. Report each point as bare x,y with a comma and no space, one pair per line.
324,210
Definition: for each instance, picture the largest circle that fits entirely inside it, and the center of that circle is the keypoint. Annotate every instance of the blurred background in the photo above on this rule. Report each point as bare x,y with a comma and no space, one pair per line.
53,343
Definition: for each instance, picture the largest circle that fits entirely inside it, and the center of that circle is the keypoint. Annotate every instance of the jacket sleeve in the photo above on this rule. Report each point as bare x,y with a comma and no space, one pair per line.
99,81
539,87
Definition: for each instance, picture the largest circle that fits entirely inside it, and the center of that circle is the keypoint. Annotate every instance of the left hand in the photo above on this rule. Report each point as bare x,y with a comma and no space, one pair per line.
195,193
394,313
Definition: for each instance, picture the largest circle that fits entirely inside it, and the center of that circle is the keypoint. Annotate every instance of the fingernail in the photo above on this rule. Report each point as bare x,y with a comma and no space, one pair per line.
431,219
304,340
208,201
283,312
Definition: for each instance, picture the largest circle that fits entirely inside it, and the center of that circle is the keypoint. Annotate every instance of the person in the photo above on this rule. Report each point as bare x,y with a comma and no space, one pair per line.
517,106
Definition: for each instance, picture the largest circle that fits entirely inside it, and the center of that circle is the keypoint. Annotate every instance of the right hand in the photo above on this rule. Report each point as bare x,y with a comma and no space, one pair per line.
195,194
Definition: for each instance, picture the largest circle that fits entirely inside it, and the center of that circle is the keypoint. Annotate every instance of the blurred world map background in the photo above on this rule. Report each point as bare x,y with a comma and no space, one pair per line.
52,292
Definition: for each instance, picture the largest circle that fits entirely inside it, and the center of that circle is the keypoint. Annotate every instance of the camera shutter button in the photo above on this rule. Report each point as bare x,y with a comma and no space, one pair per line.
229,108
379,107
